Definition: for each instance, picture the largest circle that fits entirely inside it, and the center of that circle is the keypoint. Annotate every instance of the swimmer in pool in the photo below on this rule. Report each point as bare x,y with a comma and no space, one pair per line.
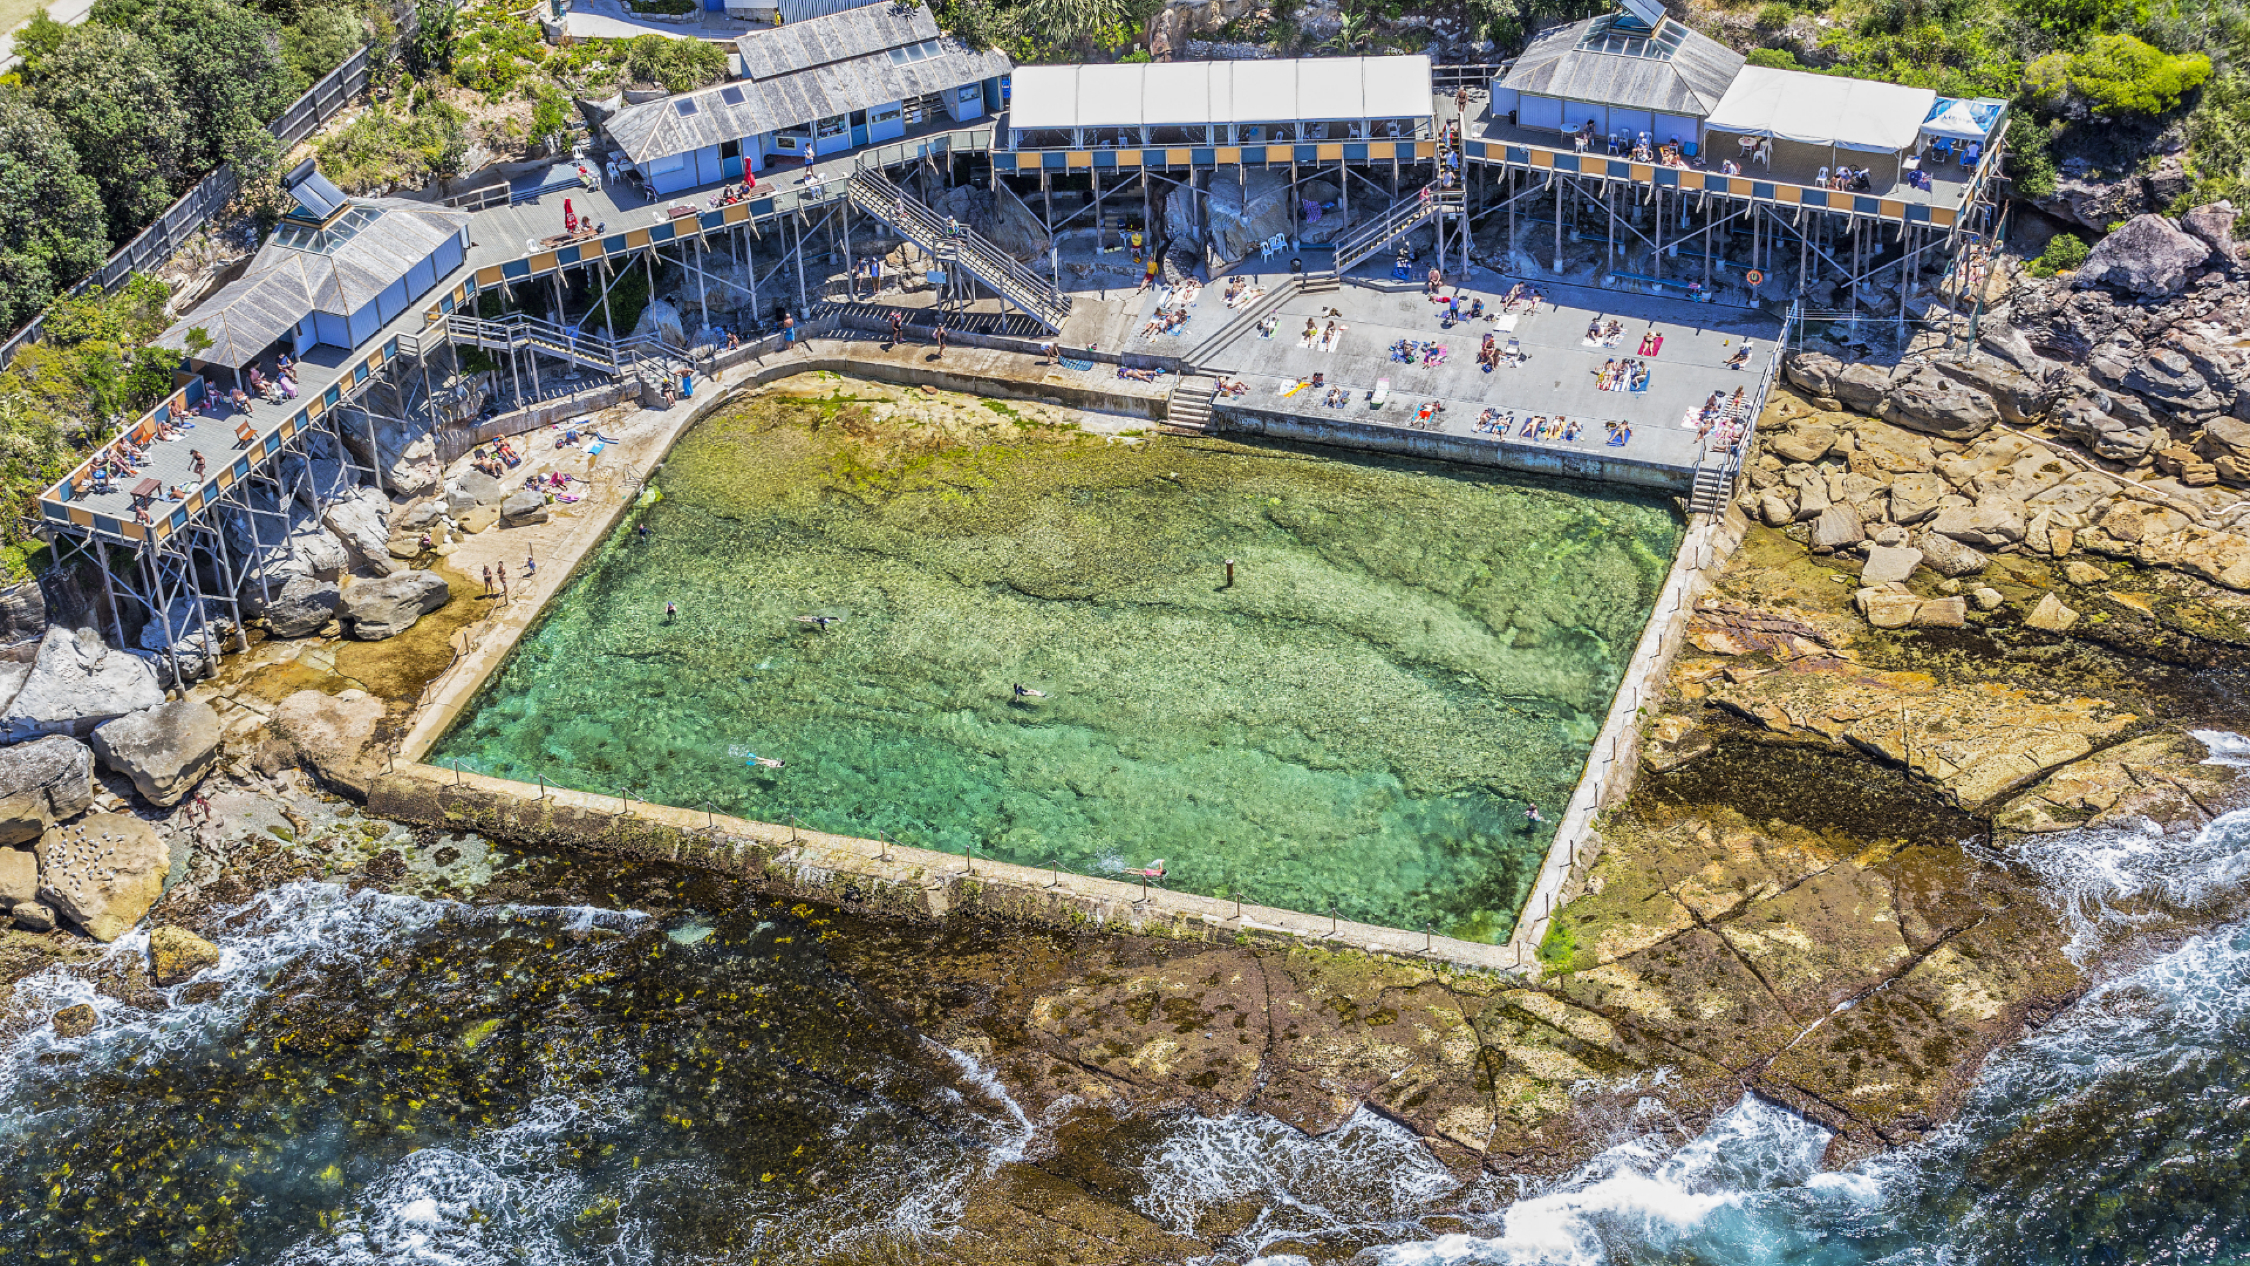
767,761
1026,692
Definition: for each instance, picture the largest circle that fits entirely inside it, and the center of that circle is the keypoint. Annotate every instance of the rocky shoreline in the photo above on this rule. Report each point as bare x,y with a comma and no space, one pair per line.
1950,629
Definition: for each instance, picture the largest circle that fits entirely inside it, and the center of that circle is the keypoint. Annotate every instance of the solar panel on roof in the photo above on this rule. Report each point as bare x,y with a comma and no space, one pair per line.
684,106
731,95
1649,12
315,204
329,193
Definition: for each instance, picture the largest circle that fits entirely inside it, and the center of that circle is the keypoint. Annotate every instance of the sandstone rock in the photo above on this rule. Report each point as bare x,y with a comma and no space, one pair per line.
2018,396
418,517
524,509
329,731
1803,443
1949,557
303,608
2083,574
357,519
103,872
1886,608
1815,372
281,540
42,782
1837,527
75,1021
2051,615
2223,558
2213,225
187,642
479,519
32,916
23,614
1887,451
1985,526
1776,509
75,684
1812,499
2115,438
176,954
470,489
2139,521
1987,598
2115,786
1942,613
376,609
1890,534
19,876
2077,494
165,750
2147,256
1887,563
1862,386
1914,497
1929,401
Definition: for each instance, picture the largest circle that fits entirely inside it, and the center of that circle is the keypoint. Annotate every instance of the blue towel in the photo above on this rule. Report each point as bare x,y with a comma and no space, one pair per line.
1072,362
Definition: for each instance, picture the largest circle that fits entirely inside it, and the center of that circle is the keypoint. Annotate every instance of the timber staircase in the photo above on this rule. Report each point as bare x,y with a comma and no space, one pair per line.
1378,234
1187,411
875,194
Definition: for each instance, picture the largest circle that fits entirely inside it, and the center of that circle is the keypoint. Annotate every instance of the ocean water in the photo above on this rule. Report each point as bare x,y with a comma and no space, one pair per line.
383,1079
1409,654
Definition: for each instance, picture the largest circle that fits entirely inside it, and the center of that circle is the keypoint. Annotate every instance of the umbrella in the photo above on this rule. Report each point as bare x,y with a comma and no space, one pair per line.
570,218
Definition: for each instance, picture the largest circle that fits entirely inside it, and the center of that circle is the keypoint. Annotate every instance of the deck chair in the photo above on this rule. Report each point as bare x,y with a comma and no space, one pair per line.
245,434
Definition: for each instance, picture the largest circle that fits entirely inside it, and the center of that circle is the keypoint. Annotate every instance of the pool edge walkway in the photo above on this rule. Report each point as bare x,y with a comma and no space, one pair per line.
933,883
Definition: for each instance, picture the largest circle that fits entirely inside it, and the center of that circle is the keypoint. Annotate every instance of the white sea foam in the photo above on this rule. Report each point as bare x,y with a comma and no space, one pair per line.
1367,1174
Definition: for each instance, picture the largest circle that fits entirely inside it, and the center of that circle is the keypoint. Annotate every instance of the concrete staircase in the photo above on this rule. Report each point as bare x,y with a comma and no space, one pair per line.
958,245
1714,484
1244,321
1187,411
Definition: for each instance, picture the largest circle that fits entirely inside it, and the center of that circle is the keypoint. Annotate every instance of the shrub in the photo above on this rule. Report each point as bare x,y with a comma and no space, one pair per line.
1774,59
679,65
320,43
2115,74
670,8
380,148
2064,254
1774,17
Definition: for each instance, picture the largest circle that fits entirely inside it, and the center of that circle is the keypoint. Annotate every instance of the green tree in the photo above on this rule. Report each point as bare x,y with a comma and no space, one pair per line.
51,222
38,38
2116,74
226,69
319,43
114,101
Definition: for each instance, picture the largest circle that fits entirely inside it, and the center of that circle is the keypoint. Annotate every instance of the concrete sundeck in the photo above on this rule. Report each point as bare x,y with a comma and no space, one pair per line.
1558,376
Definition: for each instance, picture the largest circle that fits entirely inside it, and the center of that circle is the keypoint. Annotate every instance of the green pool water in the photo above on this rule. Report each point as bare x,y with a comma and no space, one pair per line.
1408,654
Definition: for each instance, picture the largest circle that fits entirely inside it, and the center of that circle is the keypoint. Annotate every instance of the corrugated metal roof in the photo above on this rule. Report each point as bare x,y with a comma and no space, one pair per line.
834,37
774,99
1251,91
286,282
1671,69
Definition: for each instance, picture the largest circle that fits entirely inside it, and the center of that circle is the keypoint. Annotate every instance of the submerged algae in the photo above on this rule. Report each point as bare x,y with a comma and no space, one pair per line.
1408,653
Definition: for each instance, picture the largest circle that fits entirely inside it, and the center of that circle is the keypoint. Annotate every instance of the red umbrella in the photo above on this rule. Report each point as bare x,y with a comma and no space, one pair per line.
570,218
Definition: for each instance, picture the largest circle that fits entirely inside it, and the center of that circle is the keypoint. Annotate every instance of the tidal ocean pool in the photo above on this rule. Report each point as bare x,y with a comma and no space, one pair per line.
1408,654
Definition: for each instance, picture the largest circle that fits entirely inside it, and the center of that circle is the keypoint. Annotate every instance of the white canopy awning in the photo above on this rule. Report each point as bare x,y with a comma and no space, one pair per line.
1251,91
1963,118
1813,109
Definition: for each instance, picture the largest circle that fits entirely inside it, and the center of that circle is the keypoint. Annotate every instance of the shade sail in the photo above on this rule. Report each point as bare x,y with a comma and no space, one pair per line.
1792,105
1963,118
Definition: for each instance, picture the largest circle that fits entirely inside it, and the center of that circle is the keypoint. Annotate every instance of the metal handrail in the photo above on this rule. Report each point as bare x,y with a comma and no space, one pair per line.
1405,217
879,196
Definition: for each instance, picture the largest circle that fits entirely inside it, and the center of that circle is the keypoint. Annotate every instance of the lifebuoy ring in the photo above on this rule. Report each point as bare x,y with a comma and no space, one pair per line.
1755,277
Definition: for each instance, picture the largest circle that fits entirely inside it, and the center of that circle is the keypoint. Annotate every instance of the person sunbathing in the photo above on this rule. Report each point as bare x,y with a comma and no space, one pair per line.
1740,358
1613,329
1570,432
1594,330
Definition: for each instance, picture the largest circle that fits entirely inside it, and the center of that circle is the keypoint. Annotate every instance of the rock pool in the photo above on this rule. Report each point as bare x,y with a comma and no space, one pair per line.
1408,653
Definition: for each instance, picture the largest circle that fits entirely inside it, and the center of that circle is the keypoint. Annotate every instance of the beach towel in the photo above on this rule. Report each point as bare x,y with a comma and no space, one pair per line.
1072,362
594,449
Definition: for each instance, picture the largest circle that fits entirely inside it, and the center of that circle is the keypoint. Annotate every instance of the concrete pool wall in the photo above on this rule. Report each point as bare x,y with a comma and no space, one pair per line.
914,880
